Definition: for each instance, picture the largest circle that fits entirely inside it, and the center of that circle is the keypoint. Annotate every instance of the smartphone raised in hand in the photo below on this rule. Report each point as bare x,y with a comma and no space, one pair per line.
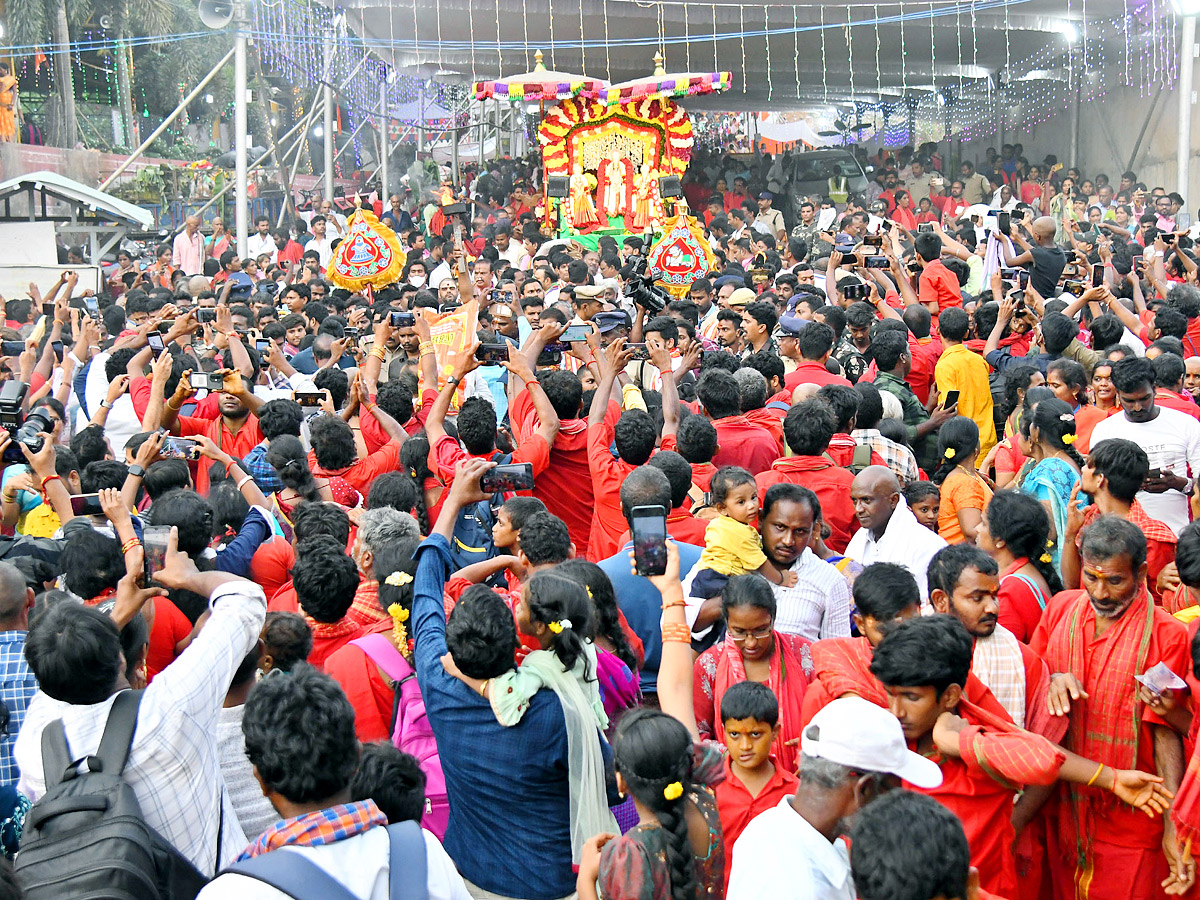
950,400
648,529
154,547
506,478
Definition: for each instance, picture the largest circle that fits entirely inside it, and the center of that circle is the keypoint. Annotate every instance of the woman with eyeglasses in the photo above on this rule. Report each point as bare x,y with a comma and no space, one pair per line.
754,651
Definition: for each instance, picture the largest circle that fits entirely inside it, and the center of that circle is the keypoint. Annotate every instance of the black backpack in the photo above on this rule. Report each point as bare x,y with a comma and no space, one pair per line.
87,838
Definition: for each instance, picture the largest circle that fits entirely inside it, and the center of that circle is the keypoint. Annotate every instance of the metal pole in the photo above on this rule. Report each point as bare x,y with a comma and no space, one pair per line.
456,137
421,117
1184,90
1075,127
384,121
328,123
183,104
241,199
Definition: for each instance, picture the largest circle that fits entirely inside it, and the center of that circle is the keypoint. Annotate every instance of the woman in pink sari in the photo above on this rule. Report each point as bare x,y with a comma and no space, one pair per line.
754,651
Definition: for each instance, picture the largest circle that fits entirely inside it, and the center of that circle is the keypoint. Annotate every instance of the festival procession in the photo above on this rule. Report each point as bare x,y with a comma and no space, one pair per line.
627,450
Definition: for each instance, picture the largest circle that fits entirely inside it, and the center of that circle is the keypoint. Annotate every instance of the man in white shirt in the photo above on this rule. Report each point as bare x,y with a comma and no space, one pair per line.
75,652
320,243
343,843
889,531
817,606
851,752
1170,438
262,241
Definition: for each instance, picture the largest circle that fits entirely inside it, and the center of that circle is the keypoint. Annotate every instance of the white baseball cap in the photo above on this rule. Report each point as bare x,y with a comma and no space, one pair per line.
859,735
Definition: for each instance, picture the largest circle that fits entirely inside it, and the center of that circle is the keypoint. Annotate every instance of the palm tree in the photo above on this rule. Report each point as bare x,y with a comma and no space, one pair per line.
31,21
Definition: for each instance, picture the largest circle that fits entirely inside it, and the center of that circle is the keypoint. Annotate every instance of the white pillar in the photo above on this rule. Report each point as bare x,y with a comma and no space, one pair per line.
384,143
327,124
1184,90
242,200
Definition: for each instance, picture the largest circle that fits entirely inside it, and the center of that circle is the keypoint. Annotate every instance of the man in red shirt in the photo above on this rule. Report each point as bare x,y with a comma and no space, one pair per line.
843,449
681,524
325,579
739,441
985,759
815,342
809,427
477,421
634,434
1099,639
938,287
235,431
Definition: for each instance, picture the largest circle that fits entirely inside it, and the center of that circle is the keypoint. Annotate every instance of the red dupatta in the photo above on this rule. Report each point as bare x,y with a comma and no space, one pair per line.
787,681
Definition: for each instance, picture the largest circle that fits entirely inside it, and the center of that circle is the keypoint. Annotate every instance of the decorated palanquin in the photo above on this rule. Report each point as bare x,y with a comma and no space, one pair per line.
368,257
613,157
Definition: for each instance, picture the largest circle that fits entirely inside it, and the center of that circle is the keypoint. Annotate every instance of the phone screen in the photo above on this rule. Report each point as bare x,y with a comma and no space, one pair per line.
86,505
154,339
511,477
575,333
154,545
180,448
639,351
950,399
309,398
492,353
1097,275
648,528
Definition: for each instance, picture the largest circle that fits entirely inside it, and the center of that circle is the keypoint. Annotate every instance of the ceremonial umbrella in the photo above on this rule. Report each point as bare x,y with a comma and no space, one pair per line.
665,85
540,85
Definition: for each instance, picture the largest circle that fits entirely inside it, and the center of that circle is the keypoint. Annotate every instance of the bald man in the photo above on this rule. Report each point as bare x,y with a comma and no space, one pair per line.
889,531
187,251
17,684
1045,259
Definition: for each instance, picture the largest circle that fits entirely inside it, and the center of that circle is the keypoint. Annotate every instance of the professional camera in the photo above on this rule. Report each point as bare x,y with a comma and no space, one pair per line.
640,289
24,429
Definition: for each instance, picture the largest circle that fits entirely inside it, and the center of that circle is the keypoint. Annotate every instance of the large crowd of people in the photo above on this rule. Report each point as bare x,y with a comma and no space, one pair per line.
272,585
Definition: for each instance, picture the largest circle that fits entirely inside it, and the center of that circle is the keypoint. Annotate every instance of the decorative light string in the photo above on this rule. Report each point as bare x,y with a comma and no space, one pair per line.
742,29
796,47
687,40
767,42
824,65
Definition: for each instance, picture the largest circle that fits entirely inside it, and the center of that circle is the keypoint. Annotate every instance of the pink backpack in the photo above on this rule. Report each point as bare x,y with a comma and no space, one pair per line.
410,727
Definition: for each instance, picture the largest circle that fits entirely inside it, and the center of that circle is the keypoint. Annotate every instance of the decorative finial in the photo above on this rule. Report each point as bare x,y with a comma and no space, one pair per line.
658,65
537,62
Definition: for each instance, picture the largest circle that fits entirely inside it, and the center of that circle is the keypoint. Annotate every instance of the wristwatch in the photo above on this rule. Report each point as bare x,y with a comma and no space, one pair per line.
136,471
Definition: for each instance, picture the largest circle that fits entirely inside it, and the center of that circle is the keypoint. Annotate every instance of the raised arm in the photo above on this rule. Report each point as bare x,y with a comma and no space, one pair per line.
518,367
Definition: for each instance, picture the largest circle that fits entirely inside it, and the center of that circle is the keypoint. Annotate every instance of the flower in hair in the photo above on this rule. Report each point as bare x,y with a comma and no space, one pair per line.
1046,558
398,579
1069,439
673,791
949,453
398,613
556,627
1066,417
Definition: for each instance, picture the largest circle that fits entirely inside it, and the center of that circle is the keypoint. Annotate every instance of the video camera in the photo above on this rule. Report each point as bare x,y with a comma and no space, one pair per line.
24,429
641,290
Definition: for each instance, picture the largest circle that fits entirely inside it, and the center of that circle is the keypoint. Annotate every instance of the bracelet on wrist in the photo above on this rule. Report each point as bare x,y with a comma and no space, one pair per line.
130,544
242,483
676,633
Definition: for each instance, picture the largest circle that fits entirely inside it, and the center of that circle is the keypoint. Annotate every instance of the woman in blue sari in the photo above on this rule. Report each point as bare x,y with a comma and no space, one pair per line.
1047,438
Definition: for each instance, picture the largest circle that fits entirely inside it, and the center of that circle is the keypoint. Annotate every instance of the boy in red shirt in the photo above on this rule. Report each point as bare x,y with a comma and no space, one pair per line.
984,759
753,782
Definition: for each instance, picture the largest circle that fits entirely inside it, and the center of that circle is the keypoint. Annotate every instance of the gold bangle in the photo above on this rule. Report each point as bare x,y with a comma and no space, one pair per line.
1092,780
130,544
172,408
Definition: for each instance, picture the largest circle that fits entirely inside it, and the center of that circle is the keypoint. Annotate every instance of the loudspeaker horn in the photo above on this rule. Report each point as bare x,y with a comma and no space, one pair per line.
216,13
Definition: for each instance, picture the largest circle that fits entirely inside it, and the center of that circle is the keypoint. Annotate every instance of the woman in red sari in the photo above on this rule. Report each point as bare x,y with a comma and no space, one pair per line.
754,651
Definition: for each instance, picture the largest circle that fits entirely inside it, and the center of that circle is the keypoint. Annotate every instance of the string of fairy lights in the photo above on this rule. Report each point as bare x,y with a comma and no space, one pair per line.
1136,49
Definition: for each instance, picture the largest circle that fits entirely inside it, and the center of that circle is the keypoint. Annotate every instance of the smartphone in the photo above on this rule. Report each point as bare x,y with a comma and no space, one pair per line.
648,528
574,334
950,399
1183,221
208,381
640,351
1011,274
492,353
1097,275
1074,288
1003,223
86,505
507,478
875,262
1070,269
207,314
402,319
873,240
154,339
350,333
309,398
856,292
58,349
925,227
850,259
154,546
262,345
12,348
180,448
48,310
1167,238
1022,278
93,305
